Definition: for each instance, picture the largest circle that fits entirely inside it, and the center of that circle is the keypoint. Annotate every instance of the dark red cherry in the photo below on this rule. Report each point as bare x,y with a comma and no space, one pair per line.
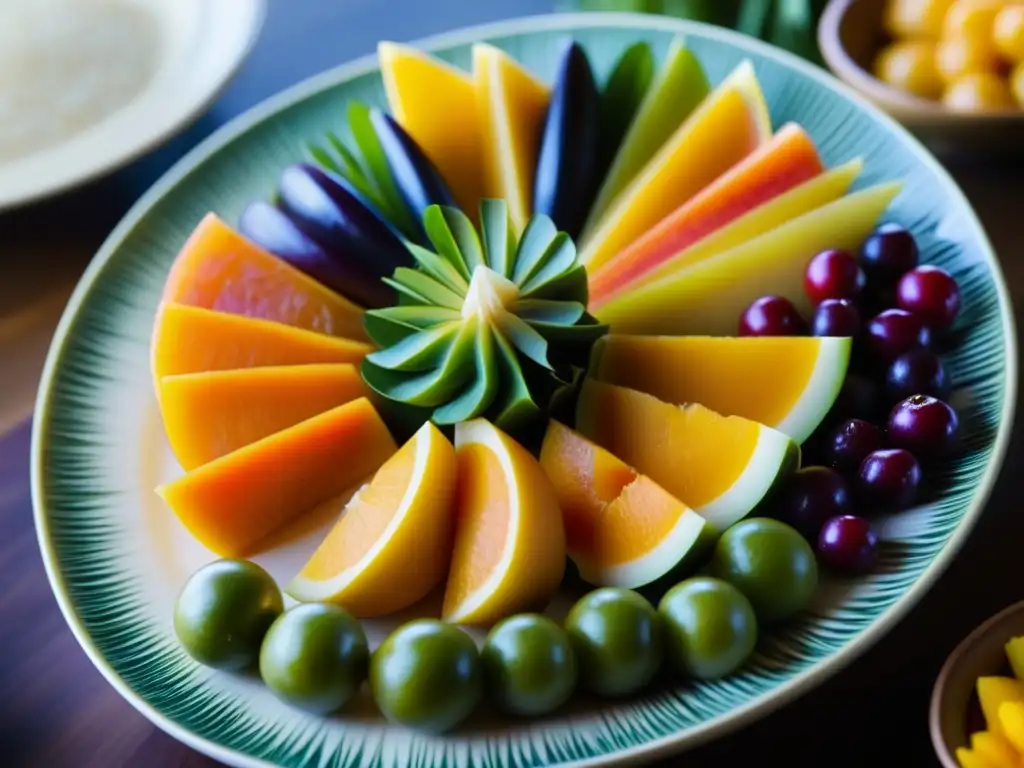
850,442
848,544
891,333
923,425
835,317
833,275
888,254
772,316
932,294
888,480
917,372
810,497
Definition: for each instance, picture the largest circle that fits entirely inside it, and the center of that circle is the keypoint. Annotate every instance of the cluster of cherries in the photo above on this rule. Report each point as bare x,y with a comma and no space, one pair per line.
891,418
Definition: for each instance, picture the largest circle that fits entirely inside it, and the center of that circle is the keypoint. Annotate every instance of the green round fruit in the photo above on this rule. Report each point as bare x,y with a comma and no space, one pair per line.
529,665
770,563
426,675
616,634
315,657
710,627
223,612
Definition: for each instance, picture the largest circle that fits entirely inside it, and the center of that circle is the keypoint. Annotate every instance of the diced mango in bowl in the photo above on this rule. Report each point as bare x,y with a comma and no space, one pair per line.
1001,744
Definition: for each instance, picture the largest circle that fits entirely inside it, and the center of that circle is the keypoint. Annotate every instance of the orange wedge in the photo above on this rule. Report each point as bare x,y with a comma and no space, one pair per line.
210,414
393,542
509,542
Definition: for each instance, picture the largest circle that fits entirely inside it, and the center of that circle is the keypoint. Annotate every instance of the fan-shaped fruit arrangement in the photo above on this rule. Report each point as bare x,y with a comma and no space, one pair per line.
496,329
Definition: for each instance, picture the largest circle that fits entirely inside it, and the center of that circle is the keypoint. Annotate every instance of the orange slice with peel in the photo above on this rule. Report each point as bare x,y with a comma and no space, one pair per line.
509,542
393,542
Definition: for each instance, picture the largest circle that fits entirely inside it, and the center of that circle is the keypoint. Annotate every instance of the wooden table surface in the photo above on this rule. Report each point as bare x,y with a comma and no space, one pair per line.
56,710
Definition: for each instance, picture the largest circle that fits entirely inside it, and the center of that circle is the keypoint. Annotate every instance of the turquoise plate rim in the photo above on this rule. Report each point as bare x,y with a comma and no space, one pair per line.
715,727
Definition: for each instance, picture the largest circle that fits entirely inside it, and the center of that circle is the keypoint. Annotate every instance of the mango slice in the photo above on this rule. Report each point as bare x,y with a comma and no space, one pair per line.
993,692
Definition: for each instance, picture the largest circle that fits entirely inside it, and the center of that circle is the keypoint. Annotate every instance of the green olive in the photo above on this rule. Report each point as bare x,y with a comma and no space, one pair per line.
426,675
617,637
223,612
315,657
529,665
710,628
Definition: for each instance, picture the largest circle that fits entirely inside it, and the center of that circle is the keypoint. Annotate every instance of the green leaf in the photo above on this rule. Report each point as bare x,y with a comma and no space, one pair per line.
548,311
569,286
407,297
465,236
621,98
536,240
439,268
324,158
513,406
421,351
439,385
499,236
571,343
390,325
443,239
559,258
475,399
428,288
524,338
375,168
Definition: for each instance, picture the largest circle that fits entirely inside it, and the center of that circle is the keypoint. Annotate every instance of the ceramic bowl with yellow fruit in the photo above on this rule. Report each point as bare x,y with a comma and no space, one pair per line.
951,70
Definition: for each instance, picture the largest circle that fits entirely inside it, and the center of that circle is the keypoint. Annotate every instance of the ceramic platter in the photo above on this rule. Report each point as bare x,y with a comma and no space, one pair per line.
200,47
117,557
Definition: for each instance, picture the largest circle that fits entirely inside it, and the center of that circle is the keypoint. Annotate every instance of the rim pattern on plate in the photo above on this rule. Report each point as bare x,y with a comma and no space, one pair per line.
97,381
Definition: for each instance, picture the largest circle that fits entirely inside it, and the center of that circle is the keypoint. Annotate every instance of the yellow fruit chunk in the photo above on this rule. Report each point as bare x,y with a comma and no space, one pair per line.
996,748
1017,84
1008,32
509,540
1015,655
720,466
1011,722
971,18
727,374
707,298
193,340
621,529
968,758
234,502
978,92
993,691
207,415
961,56
393,543
915,18
910,65
728,125
437,106
219,269
512,106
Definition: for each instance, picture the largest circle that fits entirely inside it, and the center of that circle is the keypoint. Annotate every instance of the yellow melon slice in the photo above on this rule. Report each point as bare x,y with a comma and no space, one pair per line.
993,692
996,748
210,414
233,503
509,541
512,106
437,106
730,123
708,297
393,543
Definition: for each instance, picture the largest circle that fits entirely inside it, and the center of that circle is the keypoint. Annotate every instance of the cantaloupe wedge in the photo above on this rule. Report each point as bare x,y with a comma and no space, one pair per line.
210,414
728,374
436,104
786,161
192,340
729,124
512,106
708,297
719,466
234,502
219,269
621,528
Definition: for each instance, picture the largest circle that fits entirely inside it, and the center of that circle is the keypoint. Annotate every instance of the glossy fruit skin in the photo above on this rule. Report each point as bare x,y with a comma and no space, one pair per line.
891,333
959,56
772,316
849,544
710,628
888,479
529,665
315,656
836,317
618,639
850,442
564,183
932,294
917,372
223,612
770,563
923,425
323,207
833,274
1008,33
417,179
915,18
888,253
426,675
978,92
910,66
810,497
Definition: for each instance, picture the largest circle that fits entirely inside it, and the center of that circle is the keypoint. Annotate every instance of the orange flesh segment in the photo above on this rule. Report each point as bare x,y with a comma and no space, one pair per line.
219,269
635,523
483,521
668,366
192,340
210,414
230,504
659,440
787,160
